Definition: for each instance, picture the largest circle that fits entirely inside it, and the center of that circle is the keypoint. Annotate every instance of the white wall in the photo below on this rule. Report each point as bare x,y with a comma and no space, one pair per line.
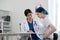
58,14
58,18
17,8
52,11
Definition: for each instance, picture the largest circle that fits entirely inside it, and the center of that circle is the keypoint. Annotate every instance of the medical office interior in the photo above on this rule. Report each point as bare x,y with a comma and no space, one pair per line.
12,14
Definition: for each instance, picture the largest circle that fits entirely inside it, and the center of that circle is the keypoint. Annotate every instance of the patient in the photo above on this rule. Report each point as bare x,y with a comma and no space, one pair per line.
47,28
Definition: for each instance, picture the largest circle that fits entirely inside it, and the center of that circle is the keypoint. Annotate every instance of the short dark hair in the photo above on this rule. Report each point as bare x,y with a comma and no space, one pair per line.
41,9
27,11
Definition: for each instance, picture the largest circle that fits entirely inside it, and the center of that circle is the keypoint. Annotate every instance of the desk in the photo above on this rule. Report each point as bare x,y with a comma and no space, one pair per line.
15,34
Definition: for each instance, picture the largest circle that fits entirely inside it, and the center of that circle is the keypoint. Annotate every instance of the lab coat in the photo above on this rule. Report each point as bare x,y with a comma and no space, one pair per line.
36,25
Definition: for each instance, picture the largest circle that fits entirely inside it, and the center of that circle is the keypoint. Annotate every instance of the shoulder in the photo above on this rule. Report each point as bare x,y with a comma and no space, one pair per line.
37,21
47,19
24,22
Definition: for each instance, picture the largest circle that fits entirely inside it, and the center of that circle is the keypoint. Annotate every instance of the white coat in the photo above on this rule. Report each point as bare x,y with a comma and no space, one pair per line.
36,25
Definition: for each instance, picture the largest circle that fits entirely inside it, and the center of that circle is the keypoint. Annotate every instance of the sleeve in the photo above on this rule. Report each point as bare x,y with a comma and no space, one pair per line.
47,22
22,27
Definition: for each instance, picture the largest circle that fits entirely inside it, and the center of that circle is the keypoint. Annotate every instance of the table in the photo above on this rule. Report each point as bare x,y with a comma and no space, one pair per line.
15,34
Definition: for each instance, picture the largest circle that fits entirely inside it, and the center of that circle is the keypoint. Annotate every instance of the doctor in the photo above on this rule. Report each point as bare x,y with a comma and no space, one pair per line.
28,24
47,29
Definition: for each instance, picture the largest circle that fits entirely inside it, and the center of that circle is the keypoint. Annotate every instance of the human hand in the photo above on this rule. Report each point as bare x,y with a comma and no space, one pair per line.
45,35
30,31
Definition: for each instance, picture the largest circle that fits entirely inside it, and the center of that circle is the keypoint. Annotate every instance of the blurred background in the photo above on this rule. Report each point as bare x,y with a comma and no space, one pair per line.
14,11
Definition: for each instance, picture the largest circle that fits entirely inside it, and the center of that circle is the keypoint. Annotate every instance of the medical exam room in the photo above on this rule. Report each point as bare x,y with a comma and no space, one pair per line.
29,20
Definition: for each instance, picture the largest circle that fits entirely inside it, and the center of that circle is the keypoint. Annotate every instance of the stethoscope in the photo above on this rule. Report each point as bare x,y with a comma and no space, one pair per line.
35,24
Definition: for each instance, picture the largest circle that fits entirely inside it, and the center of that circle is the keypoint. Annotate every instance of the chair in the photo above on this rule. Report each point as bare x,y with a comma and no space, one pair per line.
55,36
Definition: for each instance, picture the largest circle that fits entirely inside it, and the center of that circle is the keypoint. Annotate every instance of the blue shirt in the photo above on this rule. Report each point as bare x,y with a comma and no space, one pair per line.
34,36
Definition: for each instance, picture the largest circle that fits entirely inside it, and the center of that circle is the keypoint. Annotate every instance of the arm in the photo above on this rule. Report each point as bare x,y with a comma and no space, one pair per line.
53,29
18,39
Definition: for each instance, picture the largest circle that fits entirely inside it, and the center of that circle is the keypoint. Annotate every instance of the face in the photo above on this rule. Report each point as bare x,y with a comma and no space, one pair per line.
29,16
40,15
